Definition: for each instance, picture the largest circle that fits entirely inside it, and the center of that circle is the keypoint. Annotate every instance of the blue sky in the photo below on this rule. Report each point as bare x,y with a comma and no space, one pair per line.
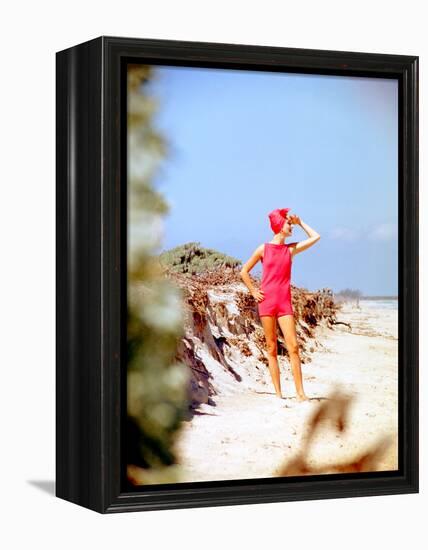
242,143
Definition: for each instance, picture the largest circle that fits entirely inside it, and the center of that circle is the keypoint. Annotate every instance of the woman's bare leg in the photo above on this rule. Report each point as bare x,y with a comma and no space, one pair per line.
288,328
270,330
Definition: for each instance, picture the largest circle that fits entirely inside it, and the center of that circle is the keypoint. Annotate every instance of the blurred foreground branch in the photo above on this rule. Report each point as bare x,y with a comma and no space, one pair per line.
335,411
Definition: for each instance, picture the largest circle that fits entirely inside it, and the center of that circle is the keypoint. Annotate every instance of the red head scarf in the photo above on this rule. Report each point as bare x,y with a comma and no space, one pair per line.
277,219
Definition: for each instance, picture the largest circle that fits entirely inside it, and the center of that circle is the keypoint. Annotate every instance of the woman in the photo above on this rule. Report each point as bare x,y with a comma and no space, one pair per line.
274,296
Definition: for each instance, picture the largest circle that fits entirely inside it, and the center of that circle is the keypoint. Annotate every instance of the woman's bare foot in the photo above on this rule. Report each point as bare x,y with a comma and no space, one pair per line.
279,396
302,397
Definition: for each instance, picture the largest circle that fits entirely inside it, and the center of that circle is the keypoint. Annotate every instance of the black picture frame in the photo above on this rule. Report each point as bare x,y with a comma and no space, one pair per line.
91,273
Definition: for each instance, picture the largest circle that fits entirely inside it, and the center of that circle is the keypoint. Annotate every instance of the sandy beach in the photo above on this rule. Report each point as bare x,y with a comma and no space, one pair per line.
250,433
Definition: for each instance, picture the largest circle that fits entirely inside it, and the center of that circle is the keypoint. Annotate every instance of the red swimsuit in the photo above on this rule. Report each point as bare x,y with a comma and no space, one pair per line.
276,281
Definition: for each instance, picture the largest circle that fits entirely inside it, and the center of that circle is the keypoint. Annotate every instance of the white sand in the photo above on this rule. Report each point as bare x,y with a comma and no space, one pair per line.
251,433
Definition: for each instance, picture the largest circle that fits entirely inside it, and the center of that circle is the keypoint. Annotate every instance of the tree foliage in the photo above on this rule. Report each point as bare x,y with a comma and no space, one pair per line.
157,385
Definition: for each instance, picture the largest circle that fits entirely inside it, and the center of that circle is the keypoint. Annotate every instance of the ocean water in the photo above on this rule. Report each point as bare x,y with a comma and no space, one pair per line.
380,304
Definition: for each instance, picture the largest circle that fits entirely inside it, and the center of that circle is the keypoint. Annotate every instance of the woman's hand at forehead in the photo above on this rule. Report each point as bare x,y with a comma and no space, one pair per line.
294,219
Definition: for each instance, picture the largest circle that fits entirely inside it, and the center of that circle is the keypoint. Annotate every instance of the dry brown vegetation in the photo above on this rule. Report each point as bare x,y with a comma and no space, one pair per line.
238,330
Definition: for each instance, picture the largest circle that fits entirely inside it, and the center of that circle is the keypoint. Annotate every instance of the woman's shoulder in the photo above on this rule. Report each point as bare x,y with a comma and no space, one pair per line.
260,250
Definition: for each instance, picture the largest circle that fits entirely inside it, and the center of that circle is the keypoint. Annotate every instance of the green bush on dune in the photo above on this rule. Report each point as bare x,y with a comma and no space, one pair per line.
193,258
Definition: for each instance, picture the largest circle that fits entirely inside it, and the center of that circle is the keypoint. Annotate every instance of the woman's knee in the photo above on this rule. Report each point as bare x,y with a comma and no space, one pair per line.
293,348
272,347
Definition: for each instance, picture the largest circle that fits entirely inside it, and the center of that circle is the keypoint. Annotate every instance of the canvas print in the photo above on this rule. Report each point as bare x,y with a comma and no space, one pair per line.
262,274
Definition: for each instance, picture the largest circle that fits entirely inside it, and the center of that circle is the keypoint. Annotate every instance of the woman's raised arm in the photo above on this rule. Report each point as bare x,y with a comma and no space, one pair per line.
303,245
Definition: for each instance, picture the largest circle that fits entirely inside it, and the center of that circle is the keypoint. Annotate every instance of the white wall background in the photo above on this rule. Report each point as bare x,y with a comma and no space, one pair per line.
31,33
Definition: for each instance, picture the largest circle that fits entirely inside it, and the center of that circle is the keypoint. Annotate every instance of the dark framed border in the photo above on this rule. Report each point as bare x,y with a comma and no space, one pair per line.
91,273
